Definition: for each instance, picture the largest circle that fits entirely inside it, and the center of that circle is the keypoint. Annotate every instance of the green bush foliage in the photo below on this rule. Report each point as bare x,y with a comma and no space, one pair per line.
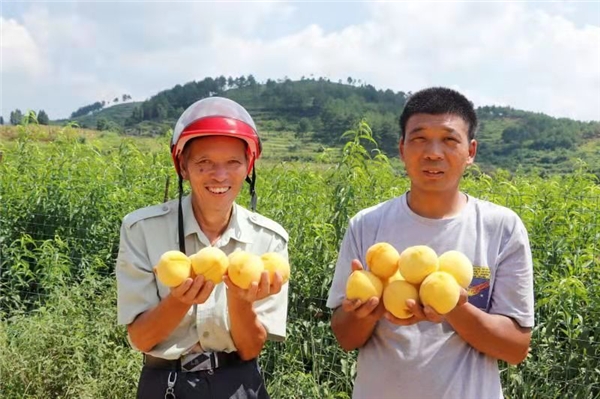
61,204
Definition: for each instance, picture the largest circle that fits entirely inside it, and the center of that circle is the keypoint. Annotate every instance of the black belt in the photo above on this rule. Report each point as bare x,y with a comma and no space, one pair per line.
203,362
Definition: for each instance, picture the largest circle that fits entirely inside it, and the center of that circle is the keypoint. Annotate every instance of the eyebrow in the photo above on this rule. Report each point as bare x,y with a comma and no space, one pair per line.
201,157
422,128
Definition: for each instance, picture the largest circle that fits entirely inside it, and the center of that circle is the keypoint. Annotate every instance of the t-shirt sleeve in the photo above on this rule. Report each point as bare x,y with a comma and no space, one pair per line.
137,291
512,294
272,311
343,268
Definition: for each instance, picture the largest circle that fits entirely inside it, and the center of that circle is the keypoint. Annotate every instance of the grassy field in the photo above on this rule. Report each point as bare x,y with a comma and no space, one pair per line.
62,198
102,140
117,113
277,146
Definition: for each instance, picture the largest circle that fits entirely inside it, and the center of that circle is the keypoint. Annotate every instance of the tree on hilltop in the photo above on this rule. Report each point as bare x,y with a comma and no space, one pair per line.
15,117
42,117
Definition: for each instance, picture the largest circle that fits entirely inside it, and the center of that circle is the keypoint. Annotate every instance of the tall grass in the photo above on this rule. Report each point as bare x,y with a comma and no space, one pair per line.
60,209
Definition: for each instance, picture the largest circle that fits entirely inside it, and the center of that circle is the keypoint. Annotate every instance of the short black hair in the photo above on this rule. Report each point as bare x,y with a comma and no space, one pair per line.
437,101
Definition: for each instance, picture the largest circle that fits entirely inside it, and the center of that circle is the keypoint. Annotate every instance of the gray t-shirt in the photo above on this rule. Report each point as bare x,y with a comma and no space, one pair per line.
429,360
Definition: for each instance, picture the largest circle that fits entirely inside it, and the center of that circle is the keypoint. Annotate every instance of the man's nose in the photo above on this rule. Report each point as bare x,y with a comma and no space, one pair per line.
220,172
434,150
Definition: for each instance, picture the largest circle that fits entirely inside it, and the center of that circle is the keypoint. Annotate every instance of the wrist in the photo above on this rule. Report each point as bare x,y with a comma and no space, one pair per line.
368,320
458,311
237,302
177,304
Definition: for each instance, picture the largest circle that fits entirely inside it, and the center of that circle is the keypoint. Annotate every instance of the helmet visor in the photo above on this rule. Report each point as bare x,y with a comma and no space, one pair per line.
211,107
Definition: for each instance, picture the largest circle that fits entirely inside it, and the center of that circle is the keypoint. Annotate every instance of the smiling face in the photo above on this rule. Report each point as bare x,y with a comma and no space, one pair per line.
436,150
216,167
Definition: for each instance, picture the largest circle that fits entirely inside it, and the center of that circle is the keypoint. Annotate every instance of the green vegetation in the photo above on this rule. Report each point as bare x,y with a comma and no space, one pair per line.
319,111
15,117
277,146
307,117
62,201
101,140
511,138
114,115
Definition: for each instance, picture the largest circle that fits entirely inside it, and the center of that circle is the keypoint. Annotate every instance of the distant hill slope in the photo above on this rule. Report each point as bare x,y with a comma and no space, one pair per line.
117,113
314,113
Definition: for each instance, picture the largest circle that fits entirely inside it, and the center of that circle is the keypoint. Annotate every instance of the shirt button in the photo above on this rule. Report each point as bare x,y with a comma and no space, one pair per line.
165,208
205,334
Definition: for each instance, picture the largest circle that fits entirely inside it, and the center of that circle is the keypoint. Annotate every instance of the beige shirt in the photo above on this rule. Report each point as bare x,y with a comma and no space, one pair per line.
149,232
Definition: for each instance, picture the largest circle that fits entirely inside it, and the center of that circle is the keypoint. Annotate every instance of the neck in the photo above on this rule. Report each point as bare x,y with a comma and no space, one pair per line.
213,222
436,205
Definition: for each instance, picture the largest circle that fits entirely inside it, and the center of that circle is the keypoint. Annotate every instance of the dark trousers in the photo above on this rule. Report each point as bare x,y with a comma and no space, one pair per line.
239,381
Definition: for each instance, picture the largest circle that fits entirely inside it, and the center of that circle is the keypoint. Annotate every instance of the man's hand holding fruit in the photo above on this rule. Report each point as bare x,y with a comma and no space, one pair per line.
247,276
409,287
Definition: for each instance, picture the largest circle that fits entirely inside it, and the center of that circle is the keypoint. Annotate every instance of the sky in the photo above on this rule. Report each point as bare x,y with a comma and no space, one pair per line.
536,56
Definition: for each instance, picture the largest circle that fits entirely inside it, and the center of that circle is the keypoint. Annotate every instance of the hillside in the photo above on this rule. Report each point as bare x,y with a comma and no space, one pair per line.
117,113
312,114
104,141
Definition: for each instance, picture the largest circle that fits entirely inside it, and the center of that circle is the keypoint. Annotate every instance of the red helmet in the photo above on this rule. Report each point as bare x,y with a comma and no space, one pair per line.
216,116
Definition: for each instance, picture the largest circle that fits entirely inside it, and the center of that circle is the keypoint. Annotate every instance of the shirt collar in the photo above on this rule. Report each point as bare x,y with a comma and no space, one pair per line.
240,228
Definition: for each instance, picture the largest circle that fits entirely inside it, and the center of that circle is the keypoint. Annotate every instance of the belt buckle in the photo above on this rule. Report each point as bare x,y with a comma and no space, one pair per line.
204,361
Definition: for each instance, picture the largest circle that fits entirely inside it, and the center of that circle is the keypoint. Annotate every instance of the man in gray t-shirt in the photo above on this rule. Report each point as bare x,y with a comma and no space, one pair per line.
429,355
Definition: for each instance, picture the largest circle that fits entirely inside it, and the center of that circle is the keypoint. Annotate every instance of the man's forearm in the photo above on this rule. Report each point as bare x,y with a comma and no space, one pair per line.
155,325
352,332
247,332
494,335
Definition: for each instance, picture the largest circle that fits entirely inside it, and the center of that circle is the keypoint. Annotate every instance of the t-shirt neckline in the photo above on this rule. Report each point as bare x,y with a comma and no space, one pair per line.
435,222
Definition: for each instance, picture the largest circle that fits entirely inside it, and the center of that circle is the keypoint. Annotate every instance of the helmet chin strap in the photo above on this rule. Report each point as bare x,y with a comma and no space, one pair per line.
252,183
180,217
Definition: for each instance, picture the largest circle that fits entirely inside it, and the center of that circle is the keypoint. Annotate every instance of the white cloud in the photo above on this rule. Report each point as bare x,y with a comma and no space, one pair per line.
502,52
20,54
60,32
81,53
506,53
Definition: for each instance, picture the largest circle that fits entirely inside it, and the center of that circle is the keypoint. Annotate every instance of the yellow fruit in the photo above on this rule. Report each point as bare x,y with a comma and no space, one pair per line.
395,277
274,262
382,260
458,265
417,262
440,291
173,268
363,285
244,268
211,263
395,295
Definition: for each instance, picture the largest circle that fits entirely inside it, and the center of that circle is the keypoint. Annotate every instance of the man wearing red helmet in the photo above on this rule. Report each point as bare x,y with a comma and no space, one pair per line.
200,340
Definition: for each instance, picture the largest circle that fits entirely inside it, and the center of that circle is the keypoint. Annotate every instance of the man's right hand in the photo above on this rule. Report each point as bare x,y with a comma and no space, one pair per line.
193,291
354,321
373,307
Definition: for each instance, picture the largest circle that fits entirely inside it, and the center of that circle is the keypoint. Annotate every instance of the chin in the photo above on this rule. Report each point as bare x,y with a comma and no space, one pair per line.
435,188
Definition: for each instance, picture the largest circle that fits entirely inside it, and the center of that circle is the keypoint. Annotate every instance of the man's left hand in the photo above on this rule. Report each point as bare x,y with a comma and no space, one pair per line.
256,291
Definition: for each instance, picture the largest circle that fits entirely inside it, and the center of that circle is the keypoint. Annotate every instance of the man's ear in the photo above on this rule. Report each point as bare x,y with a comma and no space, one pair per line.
401,148
472,152
183,167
